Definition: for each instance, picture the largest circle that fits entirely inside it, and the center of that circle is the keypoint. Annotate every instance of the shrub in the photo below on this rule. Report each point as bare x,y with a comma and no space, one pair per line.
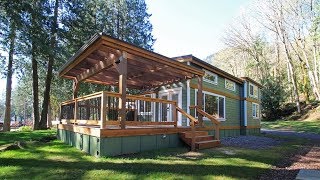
273,96
25,128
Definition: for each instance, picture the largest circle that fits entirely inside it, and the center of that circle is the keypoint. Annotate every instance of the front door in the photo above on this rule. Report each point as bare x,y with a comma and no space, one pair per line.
165,109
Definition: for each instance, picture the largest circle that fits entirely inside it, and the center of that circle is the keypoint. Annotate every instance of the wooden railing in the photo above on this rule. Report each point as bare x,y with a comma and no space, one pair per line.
214,121
103,109
193,122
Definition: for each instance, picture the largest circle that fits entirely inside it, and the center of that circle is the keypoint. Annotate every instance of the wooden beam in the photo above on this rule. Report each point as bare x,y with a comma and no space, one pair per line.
122,69
97,68
200,100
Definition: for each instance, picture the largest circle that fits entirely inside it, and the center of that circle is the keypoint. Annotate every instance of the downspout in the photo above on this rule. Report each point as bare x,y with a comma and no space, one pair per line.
244,123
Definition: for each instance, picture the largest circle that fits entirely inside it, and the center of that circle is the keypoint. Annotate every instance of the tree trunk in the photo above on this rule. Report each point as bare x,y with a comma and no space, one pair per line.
35,88
49,116
281,32
7,116
46,98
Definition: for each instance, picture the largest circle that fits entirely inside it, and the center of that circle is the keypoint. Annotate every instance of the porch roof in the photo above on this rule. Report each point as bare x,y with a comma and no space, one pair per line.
96,62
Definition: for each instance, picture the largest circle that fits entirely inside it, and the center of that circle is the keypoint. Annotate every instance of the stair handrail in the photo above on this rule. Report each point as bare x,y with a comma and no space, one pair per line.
193,121
212,119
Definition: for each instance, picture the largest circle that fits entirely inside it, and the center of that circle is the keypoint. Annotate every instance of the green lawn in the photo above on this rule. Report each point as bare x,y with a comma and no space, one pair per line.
55,160
312,126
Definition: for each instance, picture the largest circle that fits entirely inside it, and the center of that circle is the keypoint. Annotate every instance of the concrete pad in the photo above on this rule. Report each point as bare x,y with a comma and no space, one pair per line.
308,174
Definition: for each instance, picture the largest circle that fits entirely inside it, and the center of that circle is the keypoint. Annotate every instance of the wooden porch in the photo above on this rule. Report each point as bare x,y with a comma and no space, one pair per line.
108,61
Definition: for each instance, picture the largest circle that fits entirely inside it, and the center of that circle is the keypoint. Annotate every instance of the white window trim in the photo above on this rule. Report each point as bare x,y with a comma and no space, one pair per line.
252,95
213,94
211,74
234,85
257,110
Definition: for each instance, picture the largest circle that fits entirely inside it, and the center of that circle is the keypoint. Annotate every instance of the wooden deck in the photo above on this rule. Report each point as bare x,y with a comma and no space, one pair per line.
116,131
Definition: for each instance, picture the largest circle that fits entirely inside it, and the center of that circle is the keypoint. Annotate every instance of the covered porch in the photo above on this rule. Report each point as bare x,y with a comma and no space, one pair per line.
108,61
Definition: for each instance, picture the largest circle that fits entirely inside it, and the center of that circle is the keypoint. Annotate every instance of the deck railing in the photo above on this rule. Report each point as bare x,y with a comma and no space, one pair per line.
214,121
102,109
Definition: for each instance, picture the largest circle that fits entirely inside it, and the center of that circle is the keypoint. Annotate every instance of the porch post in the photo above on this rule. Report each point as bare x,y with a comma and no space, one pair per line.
200,99
122,69
75,89
103,112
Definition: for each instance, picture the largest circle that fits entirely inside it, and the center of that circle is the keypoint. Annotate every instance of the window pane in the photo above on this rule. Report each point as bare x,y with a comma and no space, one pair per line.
229,85
211,104
221,107
251,89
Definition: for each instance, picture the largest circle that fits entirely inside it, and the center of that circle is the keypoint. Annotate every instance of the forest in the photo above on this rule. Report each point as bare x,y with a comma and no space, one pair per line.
37,38
275,42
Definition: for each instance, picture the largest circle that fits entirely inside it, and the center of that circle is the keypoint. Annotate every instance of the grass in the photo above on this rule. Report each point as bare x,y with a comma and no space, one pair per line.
55,160
6,138
310,126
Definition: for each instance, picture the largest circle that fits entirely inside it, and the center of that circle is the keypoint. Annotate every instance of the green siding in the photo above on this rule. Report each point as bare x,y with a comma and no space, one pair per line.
130,144
113,146
251,121
110,146
148,143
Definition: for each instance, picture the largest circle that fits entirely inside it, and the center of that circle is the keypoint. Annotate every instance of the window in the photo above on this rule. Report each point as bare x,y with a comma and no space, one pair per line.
253,90
255,110
213,105
230,85
210,77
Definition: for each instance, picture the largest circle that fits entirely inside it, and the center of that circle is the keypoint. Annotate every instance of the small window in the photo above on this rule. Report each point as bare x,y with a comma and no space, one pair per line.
253,90
230,85
255,110
210,77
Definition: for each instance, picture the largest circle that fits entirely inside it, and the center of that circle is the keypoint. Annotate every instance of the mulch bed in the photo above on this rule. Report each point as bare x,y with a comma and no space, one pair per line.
307,157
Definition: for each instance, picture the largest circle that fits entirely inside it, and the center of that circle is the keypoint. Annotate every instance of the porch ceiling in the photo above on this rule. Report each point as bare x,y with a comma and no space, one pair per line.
96,62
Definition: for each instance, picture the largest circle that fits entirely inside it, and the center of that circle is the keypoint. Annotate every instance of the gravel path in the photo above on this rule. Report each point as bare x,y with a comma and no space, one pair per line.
250,142
310,136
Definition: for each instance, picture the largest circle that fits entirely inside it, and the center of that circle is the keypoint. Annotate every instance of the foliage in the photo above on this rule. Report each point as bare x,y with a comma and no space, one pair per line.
57,160
25,128
273,95
78,21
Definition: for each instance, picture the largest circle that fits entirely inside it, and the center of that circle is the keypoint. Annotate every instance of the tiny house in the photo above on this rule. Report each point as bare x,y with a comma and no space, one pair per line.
183,101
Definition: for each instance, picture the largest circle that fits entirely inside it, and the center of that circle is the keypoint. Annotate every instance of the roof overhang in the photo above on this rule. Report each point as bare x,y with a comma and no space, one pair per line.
252,81
207,66
96,62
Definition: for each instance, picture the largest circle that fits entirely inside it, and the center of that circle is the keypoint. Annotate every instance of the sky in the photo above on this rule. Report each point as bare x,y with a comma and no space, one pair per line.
183,27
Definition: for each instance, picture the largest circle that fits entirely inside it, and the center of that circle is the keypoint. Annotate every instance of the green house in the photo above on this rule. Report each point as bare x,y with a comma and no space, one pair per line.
184,101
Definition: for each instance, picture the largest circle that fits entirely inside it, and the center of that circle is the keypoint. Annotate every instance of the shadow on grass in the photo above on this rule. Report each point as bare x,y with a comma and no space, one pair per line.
40,167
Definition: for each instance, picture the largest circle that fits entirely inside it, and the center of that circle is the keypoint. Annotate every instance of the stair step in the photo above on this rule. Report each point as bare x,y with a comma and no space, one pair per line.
204,138
188,134
207,144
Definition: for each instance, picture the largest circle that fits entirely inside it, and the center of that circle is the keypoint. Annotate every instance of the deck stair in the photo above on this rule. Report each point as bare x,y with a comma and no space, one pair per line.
202,139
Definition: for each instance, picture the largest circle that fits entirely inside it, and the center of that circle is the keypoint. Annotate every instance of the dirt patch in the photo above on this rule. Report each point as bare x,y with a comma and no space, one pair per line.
191,155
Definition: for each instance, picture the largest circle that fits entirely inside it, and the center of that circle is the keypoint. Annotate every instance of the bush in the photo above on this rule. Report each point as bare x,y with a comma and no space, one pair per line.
25,128
273,96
